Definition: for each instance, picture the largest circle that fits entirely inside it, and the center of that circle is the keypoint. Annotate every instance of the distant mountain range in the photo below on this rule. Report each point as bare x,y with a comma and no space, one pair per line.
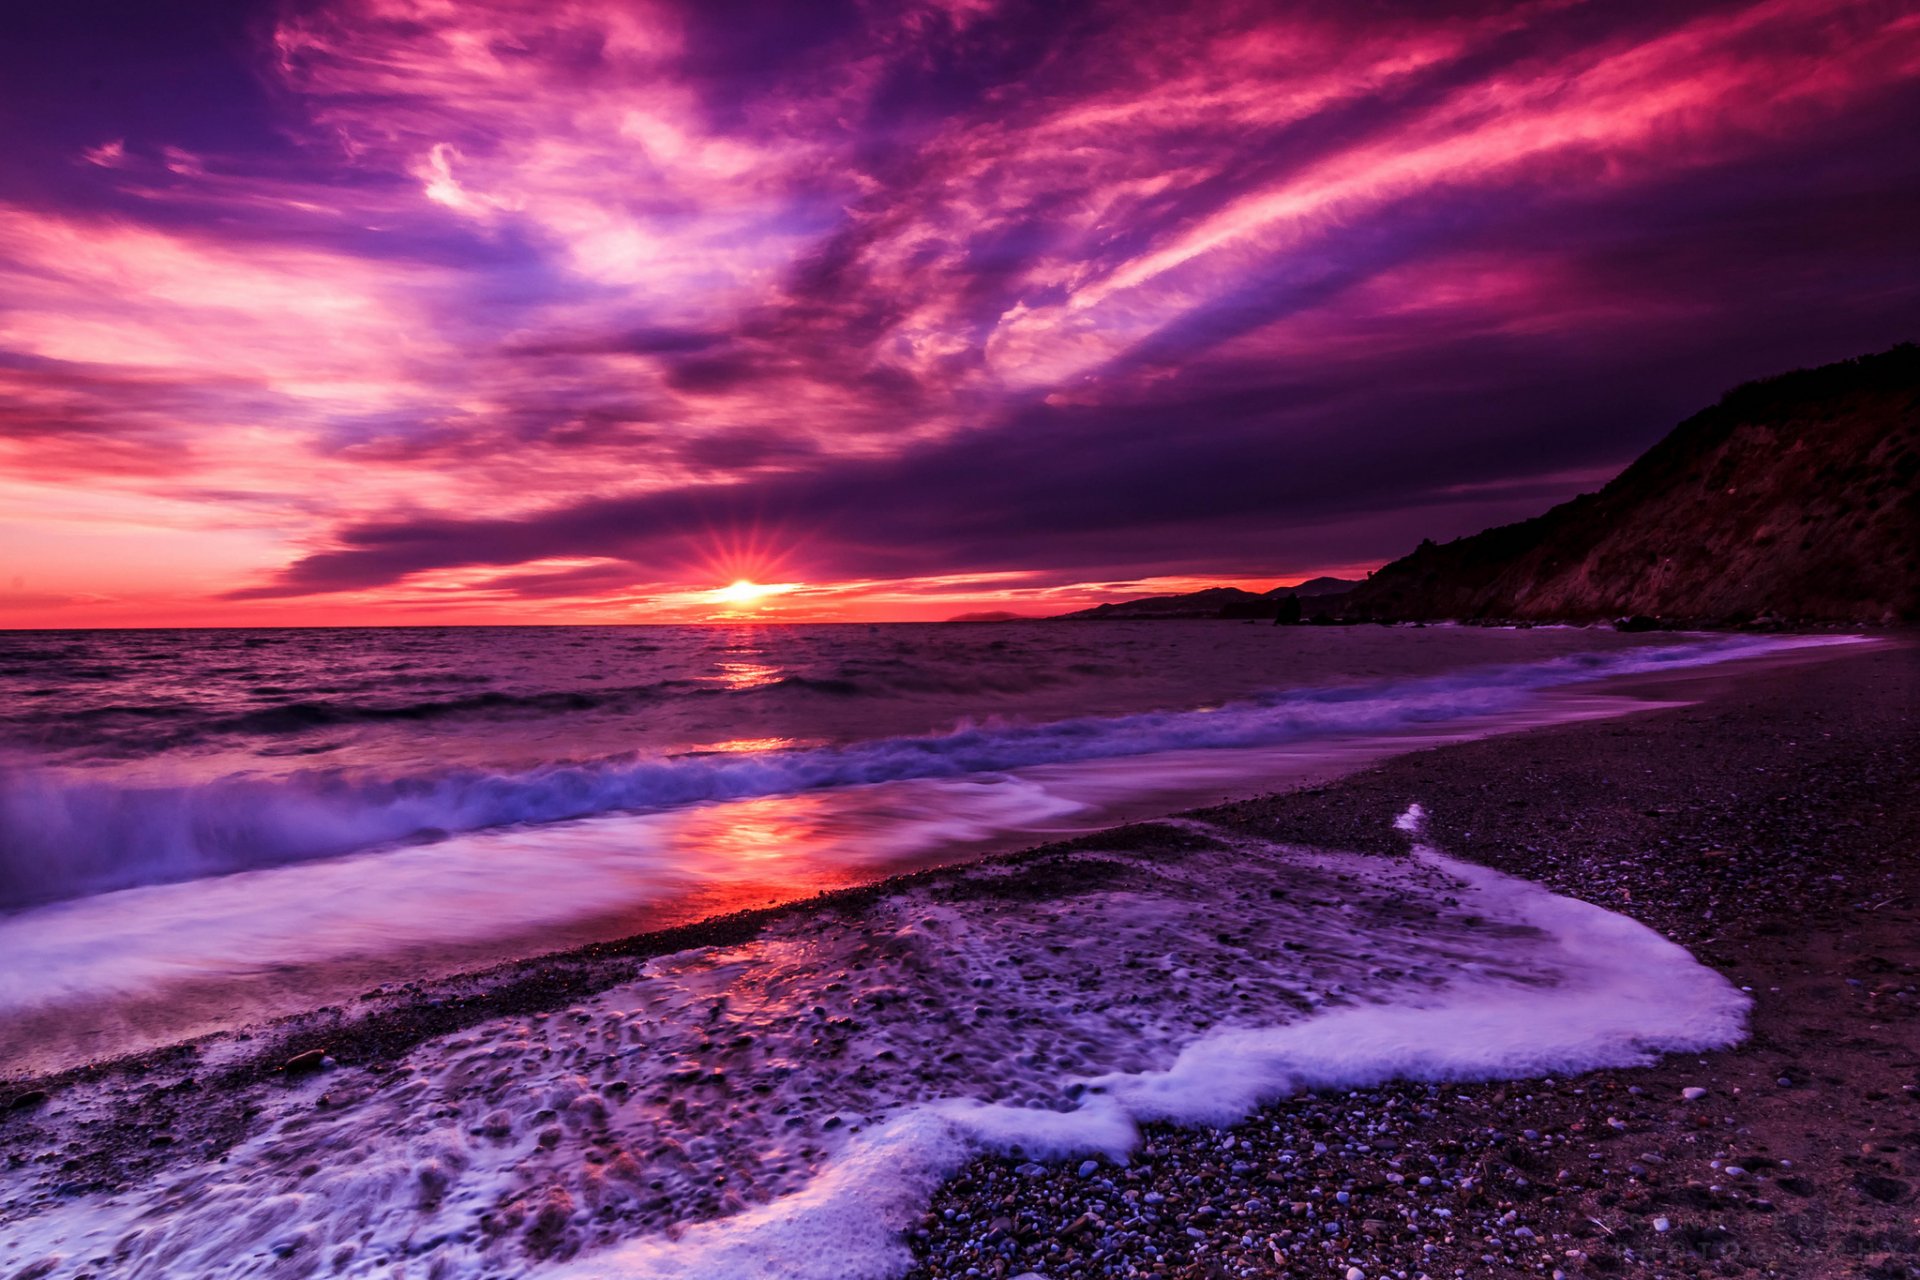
1794,499
1220,602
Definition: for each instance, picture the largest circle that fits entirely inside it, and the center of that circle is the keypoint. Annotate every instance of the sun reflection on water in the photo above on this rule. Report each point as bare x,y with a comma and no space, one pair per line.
744,746
746,675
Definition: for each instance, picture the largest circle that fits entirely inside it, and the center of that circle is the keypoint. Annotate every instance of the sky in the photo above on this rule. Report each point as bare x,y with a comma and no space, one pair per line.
496,311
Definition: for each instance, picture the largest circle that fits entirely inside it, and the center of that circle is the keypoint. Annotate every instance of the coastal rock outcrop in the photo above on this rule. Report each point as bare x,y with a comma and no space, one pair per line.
1222,602
1794,499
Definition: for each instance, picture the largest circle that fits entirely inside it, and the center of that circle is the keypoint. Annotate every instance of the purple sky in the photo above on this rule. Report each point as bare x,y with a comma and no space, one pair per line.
391,310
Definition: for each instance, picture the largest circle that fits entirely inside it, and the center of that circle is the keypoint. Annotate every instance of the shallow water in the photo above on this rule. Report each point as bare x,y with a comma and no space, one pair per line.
785,1108
192,897
133,758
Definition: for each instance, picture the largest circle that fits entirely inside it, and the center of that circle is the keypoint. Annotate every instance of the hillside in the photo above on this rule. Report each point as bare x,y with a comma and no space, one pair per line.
1217,602
1796,498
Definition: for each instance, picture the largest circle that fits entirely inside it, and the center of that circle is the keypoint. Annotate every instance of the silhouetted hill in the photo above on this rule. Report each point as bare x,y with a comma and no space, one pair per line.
1316,588
1213,602
1796,497
1218,602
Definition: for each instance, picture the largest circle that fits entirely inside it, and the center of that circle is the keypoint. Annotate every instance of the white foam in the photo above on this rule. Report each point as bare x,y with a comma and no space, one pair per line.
62,836
785,1108
851,1222
1622,995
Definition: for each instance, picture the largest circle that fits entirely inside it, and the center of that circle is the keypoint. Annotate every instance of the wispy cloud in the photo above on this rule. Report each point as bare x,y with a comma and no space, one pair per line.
507,305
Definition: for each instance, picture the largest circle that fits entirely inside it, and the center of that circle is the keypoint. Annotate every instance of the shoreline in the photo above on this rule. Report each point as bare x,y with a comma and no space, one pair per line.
591,963
152,996
1353,813
1790,869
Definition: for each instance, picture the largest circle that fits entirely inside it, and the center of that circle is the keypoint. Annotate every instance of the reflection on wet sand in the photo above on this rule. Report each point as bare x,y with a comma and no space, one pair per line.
200,956
784,1106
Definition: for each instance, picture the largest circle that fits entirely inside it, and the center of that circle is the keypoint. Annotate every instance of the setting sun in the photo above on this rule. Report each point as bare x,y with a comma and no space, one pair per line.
666,633
743,591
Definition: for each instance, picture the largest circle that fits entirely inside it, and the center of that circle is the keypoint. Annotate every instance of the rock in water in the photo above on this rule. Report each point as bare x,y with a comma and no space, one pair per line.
303,1063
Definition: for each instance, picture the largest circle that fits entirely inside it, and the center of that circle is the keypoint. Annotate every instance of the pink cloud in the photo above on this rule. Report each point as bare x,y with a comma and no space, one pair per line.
1715,87
515,258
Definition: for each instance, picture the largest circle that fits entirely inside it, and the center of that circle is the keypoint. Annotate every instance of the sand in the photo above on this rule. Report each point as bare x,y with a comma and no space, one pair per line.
1771,827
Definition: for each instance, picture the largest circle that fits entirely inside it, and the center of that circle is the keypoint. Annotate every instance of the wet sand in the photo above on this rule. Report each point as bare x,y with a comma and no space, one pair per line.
1774,829
1771,828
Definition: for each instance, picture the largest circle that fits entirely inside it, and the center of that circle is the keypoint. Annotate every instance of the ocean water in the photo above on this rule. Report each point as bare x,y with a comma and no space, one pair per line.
786,1107
141,757
201,829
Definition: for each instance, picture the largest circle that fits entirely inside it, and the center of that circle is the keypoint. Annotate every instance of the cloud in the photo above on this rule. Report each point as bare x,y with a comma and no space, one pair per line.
566,293
1140,495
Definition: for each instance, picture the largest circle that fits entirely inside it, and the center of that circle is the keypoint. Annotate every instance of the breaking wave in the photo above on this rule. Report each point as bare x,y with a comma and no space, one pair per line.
788,1106
63,836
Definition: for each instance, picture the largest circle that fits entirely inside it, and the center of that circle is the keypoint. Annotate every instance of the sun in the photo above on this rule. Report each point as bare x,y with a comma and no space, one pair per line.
742,592
743,596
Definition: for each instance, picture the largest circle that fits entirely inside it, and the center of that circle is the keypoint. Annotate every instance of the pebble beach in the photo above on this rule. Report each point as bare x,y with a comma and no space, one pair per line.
1765,820
1773,829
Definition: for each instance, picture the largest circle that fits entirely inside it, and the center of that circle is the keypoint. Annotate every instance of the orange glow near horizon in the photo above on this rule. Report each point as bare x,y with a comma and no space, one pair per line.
503,312
470,602
744,592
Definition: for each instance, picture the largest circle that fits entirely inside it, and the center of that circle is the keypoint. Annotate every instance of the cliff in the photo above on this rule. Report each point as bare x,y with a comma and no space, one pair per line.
1795,498
1218,602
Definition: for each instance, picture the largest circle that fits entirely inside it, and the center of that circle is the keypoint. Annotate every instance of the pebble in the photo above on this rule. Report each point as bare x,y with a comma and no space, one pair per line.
1428,1180
300,1063
1369,1137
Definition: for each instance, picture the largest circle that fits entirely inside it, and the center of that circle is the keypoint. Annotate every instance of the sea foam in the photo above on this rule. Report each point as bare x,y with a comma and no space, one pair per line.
64,835
786,1107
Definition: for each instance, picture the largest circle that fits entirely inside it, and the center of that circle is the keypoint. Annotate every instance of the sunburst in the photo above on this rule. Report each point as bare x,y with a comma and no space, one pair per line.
743,591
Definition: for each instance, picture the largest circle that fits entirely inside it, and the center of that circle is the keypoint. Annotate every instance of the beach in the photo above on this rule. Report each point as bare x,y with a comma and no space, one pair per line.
651,640
1767,826
1772,829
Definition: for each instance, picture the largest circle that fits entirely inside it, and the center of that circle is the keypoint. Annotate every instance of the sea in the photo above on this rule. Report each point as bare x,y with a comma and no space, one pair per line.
201,831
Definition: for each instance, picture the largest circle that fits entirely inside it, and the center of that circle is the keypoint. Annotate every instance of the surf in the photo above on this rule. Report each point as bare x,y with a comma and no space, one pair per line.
64,833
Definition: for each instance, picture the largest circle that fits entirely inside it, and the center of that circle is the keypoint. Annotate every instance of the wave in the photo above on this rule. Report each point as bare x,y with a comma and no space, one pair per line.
827,1075
62,836
145,728
140,729
1587,989
295,717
